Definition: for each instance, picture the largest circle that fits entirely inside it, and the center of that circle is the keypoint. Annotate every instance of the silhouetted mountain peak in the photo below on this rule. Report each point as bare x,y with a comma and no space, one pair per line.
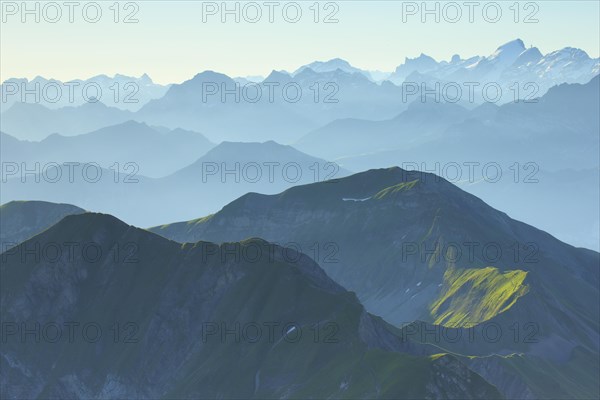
209,76
331,66
419,63
277,76
145,78
514,46
95,221
227,151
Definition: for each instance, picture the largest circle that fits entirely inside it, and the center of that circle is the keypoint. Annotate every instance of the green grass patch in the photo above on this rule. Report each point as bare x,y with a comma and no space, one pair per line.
392,190
472,296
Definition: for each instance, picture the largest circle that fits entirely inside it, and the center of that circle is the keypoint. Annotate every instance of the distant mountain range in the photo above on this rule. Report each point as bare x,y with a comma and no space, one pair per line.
120,91
285,106
35,122
224,173
281,107
153,151
511,63
335,64
450,131
562,126
525,143
416,248
175,324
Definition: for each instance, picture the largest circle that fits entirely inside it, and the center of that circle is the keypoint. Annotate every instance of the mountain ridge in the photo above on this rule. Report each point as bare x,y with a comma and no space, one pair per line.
236,290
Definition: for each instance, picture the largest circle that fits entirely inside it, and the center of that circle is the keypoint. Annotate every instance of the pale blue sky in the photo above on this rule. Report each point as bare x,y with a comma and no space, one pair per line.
171,43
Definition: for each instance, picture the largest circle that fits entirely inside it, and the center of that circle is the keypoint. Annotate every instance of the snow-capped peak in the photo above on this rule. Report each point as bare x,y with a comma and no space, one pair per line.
508,51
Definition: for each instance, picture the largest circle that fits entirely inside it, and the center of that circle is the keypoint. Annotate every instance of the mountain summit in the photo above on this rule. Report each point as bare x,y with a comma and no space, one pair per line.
415,247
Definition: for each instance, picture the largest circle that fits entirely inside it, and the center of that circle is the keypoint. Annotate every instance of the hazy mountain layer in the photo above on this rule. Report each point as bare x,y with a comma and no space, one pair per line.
20,220
224,173
153,152
527,159
284,107
120,91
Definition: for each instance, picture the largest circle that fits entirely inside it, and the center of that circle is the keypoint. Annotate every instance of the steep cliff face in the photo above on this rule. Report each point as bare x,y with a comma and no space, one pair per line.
126,314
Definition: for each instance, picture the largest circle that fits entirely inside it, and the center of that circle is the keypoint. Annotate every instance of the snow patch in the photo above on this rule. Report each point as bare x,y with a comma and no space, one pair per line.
350,199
